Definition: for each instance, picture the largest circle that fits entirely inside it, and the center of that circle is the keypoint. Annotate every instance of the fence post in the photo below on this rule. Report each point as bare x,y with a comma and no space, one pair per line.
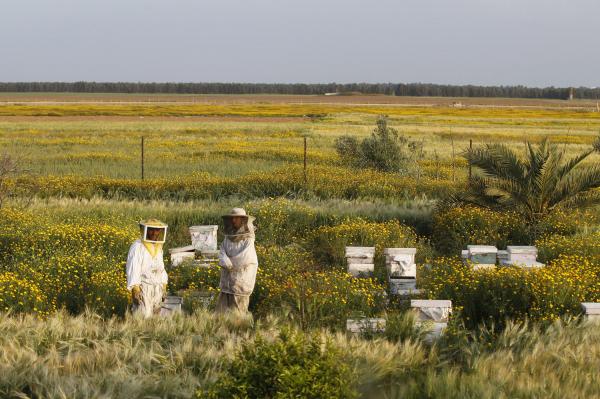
470,147
142,157
305,171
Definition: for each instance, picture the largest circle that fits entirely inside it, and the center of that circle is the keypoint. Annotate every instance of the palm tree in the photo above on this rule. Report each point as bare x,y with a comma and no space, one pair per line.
533,186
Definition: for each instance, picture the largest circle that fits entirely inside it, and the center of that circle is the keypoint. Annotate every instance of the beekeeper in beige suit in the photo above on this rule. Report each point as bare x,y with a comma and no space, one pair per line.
145,269
238,262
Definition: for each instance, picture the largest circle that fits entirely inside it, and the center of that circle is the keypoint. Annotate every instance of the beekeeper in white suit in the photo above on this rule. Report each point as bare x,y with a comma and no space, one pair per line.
238,262
146,275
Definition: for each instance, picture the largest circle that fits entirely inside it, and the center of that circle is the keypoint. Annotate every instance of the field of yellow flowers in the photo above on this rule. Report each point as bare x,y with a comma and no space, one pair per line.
83,174
66,228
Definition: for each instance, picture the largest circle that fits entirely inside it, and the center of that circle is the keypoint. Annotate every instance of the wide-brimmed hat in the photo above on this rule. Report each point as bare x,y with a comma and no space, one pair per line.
153,223
238,212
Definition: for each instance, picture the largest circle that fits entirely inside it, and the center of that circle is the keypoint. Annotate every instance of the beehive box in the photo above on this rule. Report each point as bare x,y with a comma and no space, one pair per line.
591,310
171,305
360,260
360,254
400,262
365,325
522,256
481,256
181,254
434,310
204,237
403,286
361,269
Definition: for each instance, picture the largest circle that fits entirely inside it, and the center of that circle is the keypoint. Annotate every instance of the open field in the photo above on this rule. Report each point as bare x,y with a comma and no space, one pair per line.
287,99
65,233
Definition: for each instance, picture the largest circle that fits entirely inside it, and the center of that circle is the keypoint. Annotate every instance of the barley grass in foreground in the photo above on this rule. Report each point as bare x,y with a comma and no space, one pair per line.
208,356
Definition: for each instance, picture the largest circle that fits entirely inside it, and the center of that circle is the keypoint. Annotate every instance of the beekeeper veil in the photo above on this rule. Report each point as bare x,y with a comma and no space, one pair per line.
154,234
243,231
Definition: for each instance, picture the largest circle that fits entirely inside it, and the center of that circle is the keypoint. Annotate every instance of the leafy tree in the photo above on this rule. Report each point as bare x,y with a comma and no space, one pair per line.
535,185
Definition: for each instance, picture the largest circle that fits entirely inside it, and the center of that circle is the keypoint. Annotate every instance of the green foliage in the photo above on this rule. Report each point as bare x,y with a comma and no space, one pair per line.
294,365
328,243
493,296
533,186
385,150
455,228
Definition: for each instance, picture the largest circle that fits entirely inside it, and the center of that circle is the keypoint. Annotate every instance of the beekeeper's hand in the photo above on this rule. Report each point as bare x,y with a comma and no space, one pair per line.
136,294
164,291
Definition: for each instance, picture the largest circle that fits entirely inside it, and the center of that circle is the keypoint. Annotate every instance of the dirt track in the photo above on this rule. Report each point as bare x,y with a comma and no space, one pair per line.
92,98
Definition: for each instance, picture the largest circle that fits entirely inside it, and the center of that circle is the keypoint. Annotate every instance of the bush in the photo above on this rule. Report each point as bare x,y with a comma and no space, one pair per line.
455,228
294,365
492,296
328,243
21,296
552,246
385,150
107,294
319,299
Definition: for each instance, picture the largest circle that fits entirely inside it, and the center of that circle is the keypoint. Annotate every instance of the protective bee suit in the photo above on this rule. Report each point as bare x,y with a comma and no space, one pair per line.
238,262
145,269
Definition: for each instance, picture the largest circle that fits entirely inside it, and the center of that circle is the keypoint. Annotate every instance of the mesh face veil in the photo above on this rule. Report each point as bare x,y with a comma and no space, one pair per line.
153,231
246,230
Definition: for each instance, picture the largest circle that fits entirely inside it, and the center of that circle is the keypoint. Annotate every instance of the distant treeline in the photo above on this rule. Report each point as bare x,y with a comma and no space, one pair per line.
398,89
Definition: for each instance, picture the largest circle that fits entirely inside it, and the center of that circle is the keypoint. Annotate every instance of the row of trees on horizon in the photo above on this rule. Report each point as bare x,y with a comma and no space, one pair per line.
392,89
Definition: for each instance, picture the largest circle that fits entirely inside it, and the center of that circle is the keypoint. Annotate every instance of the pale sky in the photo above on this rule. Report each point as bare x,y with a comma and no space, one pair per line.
503,42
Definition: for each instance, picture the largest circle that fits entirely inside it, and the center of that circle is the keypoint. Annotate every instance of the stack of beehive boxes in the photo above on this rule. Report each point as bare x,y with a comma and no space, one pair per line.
480,256
401,270
360,260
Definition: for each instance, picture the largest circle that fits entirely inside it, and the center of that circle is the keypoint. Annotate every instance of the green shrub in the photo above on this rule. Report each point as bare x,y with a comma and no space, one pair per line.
385,150
323,299
21,296
493,296
455,228
328,243
553,246
294,365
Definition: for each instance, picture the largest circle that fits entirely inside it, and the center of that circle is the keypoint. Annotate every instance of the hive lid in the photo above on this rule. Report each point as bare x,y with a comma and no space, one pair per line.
591,307
205,227
521,249
482,249
430,303
399,251
354,251
189,248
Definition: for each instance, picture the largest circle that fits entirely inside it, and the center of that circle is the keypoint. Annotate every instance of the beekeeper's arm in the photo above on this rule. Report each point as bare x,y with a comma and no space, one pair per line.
133,268
224,260
246,257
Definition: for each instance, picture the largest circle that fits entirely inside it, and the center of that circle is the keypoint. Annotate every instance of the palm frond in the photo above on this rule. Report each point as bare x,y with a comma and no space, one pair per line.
496,160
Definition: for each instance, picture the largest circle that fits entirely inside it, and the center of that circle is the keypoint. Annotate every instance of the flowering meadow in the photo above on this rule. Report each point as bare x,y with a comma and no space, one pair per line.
70,216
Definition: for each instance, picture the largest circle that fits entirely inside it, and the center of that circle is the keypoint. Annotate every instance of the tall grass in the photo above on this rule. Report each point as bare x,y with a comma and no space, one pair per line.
87,357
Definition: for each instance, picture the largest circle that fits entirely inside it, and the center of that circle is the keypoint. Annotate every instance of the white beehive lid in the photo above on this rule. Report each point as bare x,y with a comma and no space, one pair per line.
591,307
521,249
208,227
482,249
189,248
360,252
400,251
430,303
